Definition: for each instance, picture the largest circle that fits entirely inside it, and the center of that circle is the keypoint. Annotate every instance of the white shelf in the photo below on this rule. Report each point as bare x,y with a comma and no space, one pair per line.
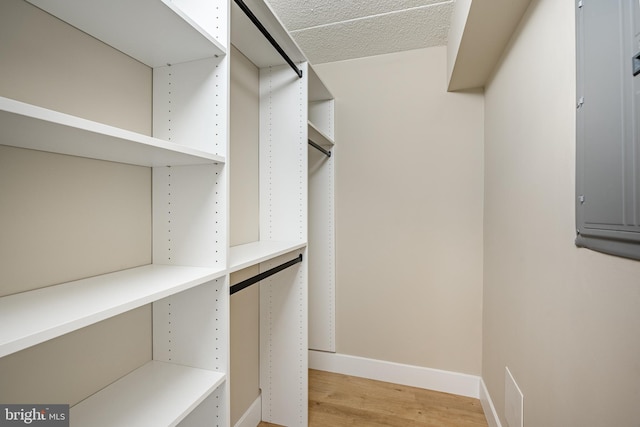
28,126
317,89
250,41
154,32
243,256
156,394
318,136
36,316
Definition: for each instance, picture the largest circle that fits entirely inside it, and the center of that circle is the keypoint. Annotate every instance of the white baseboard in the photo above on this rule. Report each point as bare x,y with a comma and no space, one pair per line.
414,376
487,406
253,415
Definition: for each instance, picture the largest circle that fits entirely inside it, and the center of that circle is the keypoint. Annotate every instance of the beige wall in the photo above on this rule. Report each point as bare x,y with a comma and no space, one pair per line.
408,211
64,218
244,207
48,63
565,321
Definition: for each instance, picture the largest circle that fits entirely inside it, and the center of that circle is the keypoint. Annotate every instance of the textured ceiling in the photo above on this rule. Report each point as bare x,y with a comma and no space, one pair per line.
335,30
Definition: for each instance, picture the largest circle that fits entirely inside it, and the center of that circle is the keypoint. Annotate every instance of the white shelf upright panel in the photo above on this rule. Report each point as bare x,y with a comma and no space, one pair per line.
283,216
190,208
322,286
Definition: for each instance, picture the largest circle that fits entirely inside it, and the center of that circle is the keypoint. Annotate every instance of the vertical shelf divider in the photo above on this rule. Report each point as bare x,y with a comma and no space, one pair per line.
322,285
190,210
283,216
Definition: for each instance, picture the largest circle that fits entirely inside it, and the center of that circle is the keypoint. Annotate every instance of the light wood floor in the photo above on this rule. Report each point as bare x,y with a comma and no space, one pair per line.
337,400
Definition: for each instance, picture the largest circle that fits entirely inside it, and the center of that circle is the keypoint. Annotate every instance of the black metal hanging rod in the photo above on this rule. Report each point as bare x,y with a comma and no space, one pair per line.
319,148
258,277
268,36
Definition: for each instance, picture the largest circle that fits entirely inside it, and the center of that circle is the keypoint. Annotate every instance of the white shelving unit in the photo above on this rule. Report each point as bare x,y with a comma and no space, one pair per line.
321,218
185,42
283,216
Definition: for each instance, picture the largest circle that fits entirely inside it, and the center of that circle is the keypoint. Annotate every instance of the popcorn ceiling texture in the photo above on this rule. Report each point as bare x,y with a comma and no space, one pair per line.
336,30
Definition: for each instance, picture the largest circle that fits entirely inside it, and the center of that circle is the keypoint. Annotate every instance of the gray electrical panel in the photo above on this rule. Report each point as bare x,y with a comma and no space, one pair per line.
608,126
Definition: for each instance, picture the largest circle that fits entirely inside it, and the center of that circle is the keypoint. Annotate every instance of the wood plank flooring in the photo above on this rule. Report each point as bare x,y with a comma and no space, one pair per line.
337,400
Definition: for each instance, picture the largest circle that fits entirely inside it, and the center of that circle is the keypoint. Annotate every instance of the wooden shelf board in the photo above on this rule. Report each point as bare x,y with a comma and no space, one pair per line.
154,32
30,318
156,394
29,126
243,256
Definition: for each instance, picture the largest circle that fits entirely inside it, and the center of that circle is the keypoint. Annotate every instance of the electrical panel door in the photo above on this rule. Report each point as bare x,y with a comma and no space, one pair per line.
608,112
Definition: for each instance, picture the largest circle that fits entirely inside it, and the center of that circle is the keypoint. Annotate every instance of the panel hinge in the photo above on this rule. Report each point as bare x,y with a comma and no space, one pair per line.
580,4
580,102
581,199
